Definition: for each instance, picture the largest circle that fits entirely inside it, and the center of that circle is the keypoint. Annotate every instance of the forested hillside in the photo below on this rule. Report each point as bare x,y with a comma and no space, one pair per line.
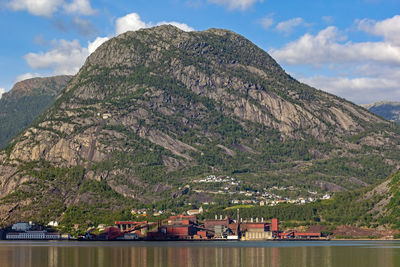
25,102
154,110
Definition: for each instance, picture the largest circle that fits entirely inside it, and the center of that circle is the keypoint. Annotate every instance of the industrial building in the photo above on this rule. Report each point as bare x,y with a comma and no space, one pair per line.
33,235
183,227
187,227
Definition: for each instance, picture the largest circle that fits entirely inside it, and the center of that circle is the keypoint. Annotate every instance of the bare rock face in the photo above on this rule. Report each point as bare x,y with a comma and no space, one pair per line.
152,109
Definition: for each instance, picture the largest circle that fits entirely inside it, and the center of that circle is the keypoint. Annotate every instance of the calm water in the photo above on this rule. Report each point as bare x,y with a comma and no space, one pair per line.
176,254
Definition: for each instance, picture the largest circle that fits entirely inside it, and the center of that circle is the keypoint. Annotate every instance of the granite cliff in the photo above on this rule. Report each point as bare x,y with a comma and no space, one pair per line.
153,109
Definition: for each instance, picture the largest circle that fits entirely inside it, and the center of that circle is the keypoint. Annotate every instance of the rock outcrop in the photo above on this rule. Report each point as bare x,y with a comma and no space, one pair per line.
152,109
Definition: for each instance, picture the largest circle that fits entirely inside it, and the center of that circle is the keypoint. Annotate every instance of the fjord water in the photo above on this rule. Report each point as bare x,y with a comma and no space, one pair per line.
176,254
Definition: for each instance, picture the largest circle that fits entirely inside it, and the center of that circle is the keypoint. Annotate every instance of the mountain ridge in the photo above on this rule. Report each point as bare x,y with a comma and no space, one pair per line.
389,110
152,110
26,101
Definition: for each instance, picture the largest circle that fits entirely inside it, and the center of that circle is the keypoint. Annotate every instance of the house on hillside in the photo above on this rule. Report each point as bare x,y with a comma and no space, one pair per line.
195,211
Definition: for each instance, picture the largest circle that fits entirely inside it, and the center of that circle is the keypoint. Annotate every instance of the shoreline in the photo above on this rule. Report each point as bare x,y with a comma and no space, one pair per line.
199,240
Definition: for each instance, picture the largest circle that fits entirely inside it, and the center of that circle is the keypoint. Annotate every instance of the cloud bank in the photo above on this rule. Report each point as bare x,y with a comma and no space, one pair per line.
327,47
362,72
236,4
130,22
66,57
288,25
133,22
389,29
267,22
79,7
47,8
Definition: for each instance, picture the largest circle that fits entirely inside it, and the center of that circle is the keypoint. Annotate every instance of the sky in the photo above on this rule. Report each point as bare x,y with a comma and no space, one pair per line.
350,48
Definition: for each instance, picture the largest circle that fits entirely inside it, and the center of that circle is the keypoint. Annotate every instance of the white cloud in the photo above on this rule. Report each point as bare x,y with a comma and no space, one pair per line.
92,46
327,48
236,4
37,7
48,7
66,57
362,72
288,25
26,76
130,22
267,22
133,22
361,90
389,29
2,91
79,7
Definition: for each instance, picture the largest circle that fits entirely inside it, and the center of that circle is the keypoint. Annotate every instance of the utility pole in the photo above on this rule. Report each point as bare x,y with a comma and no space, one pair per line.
238,223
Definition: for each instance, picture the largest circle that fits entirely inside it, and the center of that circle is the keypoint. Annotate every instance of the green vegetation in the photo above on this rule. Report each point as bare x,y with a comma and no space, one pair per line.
19,109
393,208
185,106
346,208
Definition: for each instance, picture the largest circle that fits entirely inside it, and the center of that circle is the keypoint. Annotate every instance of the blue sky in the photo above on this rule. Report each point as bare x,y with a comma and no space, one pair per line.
349,48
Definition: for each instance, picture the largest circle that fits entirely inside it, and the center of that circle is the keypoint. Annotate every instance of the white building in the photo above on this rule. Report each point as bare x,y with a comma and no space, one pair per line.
53,223
195,212
326,196
33,235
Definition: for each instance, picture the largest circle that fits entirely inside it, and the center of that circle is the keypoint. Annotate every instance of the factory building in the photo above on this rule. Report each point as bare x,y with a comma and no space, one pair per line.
257,235
33,235
187,227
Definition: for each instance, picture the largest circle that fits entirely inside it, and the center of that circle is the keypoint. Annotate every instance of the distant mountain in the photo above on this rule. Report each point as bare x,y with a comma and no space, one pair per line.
25,102
153,111
386,109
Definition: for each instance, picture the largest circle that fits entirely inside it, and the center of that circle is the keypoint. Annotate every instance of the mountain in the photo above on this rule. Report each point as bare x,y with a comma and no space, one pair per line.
153,111
386,109
25,102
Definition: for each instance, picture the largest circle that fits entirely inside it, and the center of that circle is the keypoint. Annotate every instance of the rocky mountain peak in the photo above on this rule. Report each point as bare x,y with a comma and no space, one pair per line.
37,85
152,110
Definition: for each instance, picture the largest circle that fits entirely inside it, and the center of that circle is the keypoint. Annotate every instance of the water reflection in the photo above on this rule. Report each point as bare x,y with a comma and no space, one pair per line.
200,254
